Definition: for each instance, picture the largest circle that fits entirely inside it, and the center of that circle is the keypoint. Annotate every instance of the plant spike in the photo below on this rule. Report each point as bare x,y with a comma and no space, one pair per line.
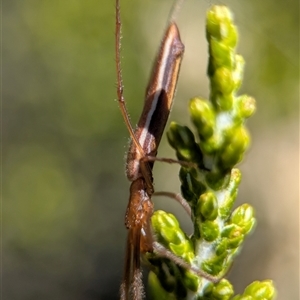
211,189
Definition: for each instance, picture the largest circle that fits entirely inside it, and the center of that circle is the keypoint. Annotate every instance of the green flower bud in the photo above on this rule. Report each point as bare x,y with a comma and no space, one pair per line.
213,23
237,141
234,234
184,250
243,216
209,230
231,231
261,290
223,290
161,218
168,232
208,206
162,224
203,117
182,140
179,135
245,107
166,225
217,17
223,81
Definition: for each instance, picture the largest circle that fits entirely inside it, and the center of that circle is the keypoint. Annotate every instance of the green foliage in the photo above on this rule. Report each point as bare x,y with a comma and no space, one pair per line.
210,189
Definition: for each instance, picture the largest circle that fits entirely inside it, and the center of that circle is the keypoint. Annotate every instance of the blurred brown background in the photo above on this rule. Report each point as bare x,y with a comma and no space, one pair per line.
64,140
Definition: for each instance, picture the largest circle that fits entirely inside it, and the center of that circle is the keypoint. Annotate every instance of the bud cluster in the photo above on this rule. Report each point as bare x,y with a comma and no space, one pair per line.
219,143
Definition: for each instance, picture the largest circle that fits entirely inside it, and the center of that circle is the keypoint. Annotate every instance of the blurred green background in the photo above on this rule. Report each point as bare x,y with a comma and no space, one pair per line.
64,140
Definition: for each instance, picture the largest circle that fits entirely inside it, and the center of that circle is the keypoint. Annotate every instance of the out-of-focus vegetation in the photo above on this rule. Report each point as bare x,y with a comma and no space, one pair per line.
64,188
